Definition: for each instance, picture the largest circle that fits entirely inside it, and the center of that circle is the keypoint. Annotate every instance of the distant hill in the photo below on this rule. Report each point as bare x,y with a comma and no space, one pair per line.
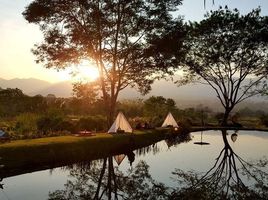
28,86
169,90
32,86
185,96
61,89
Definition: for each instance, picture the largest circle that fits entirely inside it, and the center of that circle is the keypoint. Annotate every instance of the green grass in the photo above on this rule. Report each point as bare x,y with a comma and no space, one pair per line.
24,156
50,141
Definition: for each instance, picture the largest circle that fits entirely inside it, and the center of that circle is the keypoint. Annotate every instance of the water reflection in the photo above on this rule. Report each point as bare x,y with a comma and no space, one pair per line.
234,136
175,141
1,184
202,142
230,177
119,158
105,181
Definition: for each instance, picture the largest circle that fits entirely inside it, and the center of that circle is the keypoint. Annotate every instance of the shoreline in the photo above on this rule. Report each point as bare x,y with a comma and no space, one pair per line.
26,156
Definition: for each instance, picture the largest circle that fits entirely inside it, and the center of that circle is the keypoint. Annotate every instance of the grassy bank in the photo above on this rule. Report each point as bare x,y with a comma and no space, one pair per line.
24,156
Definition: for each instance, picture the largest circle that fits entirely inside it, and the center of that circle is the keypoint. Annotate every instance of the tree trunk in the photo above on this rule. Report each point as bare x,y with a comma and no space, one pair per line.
226,116
111,112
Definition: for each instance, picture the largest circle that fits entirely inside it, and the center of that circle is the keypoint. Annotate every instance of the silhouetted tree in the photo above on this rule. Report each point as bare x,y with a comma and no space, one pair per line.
229,52
116,35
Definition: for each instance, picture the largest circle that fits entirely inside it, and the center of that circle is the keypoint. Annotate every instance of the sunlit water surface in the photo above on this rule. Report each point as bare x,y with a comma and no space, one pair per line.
163,158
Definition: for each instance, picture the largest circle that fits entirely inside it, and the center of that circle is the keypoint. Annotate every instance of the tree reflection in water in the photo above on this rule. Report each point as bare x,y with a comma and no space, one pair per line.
225,180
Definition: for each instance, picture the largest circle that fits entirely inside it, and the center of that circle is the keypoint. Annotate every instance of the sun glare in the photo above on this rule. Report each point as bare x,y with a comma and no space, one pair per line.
82,73
86,73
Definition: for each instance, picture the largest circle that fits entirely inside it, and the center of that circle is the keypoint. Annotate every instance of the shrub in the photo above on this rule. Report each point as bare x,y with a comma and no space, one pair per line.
91,123
25,126
48,124
264,120
185,124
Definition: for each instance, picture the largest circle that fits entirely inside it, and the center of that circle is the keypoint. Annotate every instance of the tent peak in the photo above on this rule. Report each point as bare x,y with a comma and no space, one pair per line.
170,121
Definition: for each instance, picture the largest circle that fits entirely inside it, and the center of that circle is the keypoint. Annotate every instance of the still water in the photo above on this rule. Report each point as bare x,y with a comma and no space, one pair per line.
203,165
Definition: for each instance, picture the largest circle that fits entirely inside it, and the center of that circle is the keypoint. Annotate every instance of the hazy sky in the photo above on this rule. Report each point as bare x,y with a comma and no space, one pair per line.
17,37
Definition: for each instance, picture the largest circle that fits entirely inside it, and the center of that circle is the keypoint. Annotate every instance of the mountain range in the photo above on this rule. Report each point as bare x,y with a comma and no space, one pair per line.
185,96
32,86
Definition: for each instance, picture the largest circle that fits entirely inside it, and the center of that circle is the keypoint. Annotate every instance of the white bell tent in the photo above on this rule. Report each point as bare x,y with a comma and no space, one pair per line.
170,121
121,124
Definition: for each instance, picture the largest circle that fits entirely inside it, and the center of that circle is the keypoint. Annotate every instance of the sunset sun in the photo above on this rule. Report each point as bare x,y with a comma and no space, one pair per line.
80,73
86,73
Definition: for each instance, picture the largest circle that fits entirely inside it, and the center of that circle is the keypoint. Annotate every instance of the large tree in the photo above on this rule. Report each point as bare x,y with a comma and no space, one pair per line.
229,52
116,34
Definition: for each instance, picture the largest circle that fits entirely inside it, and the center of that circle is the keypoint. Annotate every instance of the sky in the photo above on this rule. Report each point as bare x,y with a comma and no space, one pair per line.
17,36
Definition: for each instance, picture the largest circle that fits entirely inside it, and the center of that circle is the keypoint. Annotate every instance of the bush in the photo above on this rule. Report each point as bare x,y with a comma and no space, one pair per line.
185,124
92,123
264,120
65,126
25,126
48,124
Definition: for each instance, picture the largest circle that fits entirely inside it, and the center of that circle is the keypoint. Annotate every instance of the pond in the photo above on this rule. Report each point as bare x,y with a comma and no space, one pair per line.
201,165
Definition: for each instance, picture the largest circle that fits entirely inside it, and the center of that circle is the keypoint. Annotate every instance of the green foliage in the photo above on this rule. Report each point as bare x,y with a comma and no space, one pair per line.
131,108
77,106
92,123
52,122
158,106
156,109
264,120
185,124
26,125
46,124
86,92
13,102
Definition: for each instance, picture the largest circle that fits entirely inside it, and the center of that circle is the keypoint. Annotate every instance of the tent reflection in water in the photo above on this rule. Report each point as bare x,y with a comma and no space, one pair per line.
119,158
170,121
120,125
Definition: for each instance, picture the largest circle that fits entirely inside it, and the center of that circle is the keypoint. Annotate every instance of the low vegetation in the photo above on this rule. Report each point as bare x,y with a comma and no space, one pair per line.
51,116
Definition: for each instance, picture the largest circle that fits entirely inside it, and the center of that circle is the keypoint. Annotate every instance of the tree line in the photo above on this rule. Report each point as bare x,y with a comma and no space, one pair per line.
36,116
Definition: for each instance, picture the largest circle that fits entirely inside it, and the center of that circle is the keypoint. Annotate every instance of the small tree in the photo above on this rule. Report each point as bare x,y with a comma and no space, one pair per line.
116,35
229,52
157,107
